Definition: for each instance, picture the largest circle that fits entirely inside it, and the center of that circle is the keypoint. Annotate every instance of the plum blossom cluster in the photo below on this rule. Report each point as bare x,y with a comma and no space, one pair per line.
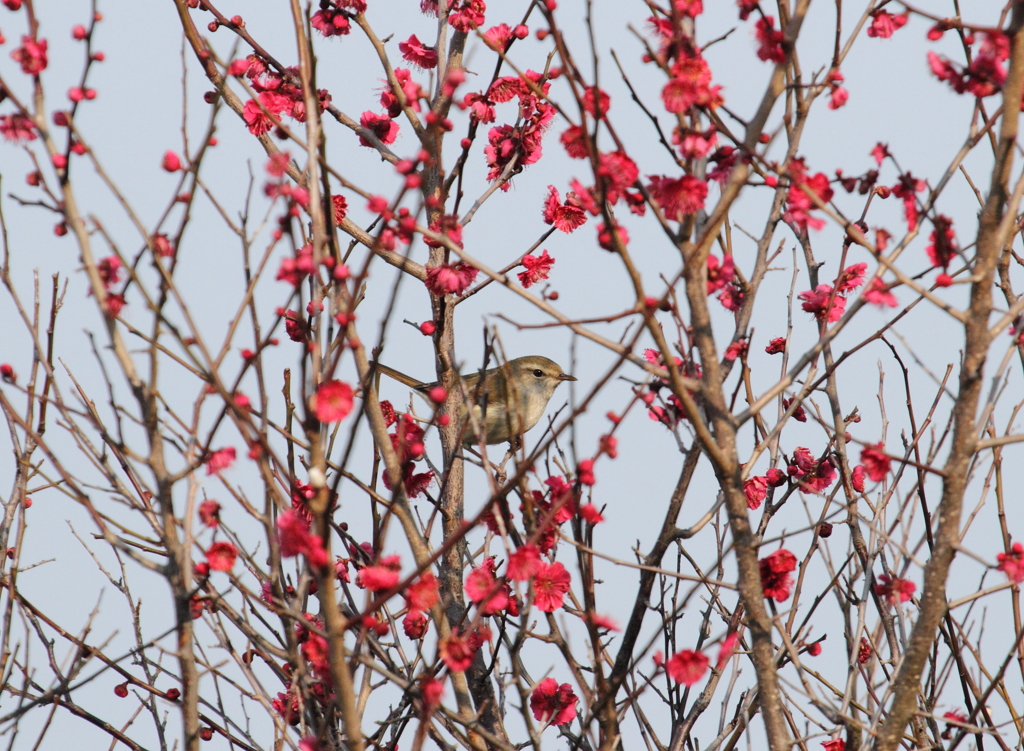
723,280
894,589
209,513
678,197
812,475
776,580
384,575
417,53
302,494
407,441
279,94
875,461
769,40
219,460
450,279
688,666
942,248
568,216
109,270
799,200
536,268
884,24
333,401
17,128
671,411
861,183
616,180
756,488
690,83
695,144
420,597
986,73
838,95
315,653
463,15
552,508
828,303
551,582
32,55
297,199
220,556
460,648
295,538
296,269
1012,563
906,190
334,19
511,148
490,594
553,704
500,37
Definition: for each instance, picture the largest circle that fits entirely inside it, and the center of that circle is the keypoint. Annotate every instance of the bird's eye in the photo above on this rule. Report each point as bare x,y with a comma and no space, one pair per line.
538,373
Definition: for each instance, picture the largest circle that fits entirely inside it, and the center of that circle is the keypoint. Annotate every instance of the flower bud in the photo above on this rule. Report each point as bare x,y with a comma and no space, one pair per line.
171,162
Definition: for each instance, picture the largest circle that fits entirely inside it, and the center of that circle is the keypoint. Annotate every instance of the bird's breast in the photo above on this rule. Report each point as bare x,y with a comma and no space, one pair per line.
501,424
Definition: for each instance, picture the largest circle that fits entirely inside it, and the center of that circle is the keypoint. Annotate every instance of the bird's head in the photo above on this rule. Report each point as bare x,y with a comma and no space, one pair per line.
536,373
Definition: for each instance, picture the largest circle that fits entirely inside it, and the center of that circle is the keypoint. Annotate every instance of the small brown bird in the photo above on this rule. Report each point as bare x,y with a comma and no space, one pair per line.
510,401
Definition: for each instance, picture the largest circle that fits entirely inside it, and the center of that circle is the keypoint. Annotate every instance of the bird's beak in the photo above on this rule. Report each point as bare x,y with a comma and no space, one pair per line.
566,377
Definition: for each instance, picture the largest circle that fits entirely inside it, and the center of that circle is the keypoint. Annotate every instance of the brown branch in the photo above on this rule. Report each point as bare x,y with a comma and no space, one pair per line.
964,445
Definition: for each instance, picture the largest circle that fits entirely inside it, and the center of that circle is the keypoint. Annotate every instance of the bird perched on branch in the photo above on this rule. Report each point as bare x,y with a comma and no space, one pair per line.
509,401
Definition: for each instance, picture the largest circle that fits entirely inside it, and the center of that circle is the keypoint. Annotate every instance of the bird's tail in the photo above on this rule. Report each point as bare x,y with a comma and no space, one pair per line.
400,376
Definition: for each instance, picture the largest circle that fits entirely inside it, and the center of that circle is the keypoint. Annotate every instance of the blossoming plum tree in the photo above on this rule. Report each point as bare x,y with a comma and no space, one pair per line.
338,570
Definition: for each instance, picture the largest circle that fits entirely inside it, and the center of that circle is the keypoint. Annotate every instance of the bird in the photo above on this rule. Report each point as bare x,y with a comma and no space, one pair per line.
526,383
